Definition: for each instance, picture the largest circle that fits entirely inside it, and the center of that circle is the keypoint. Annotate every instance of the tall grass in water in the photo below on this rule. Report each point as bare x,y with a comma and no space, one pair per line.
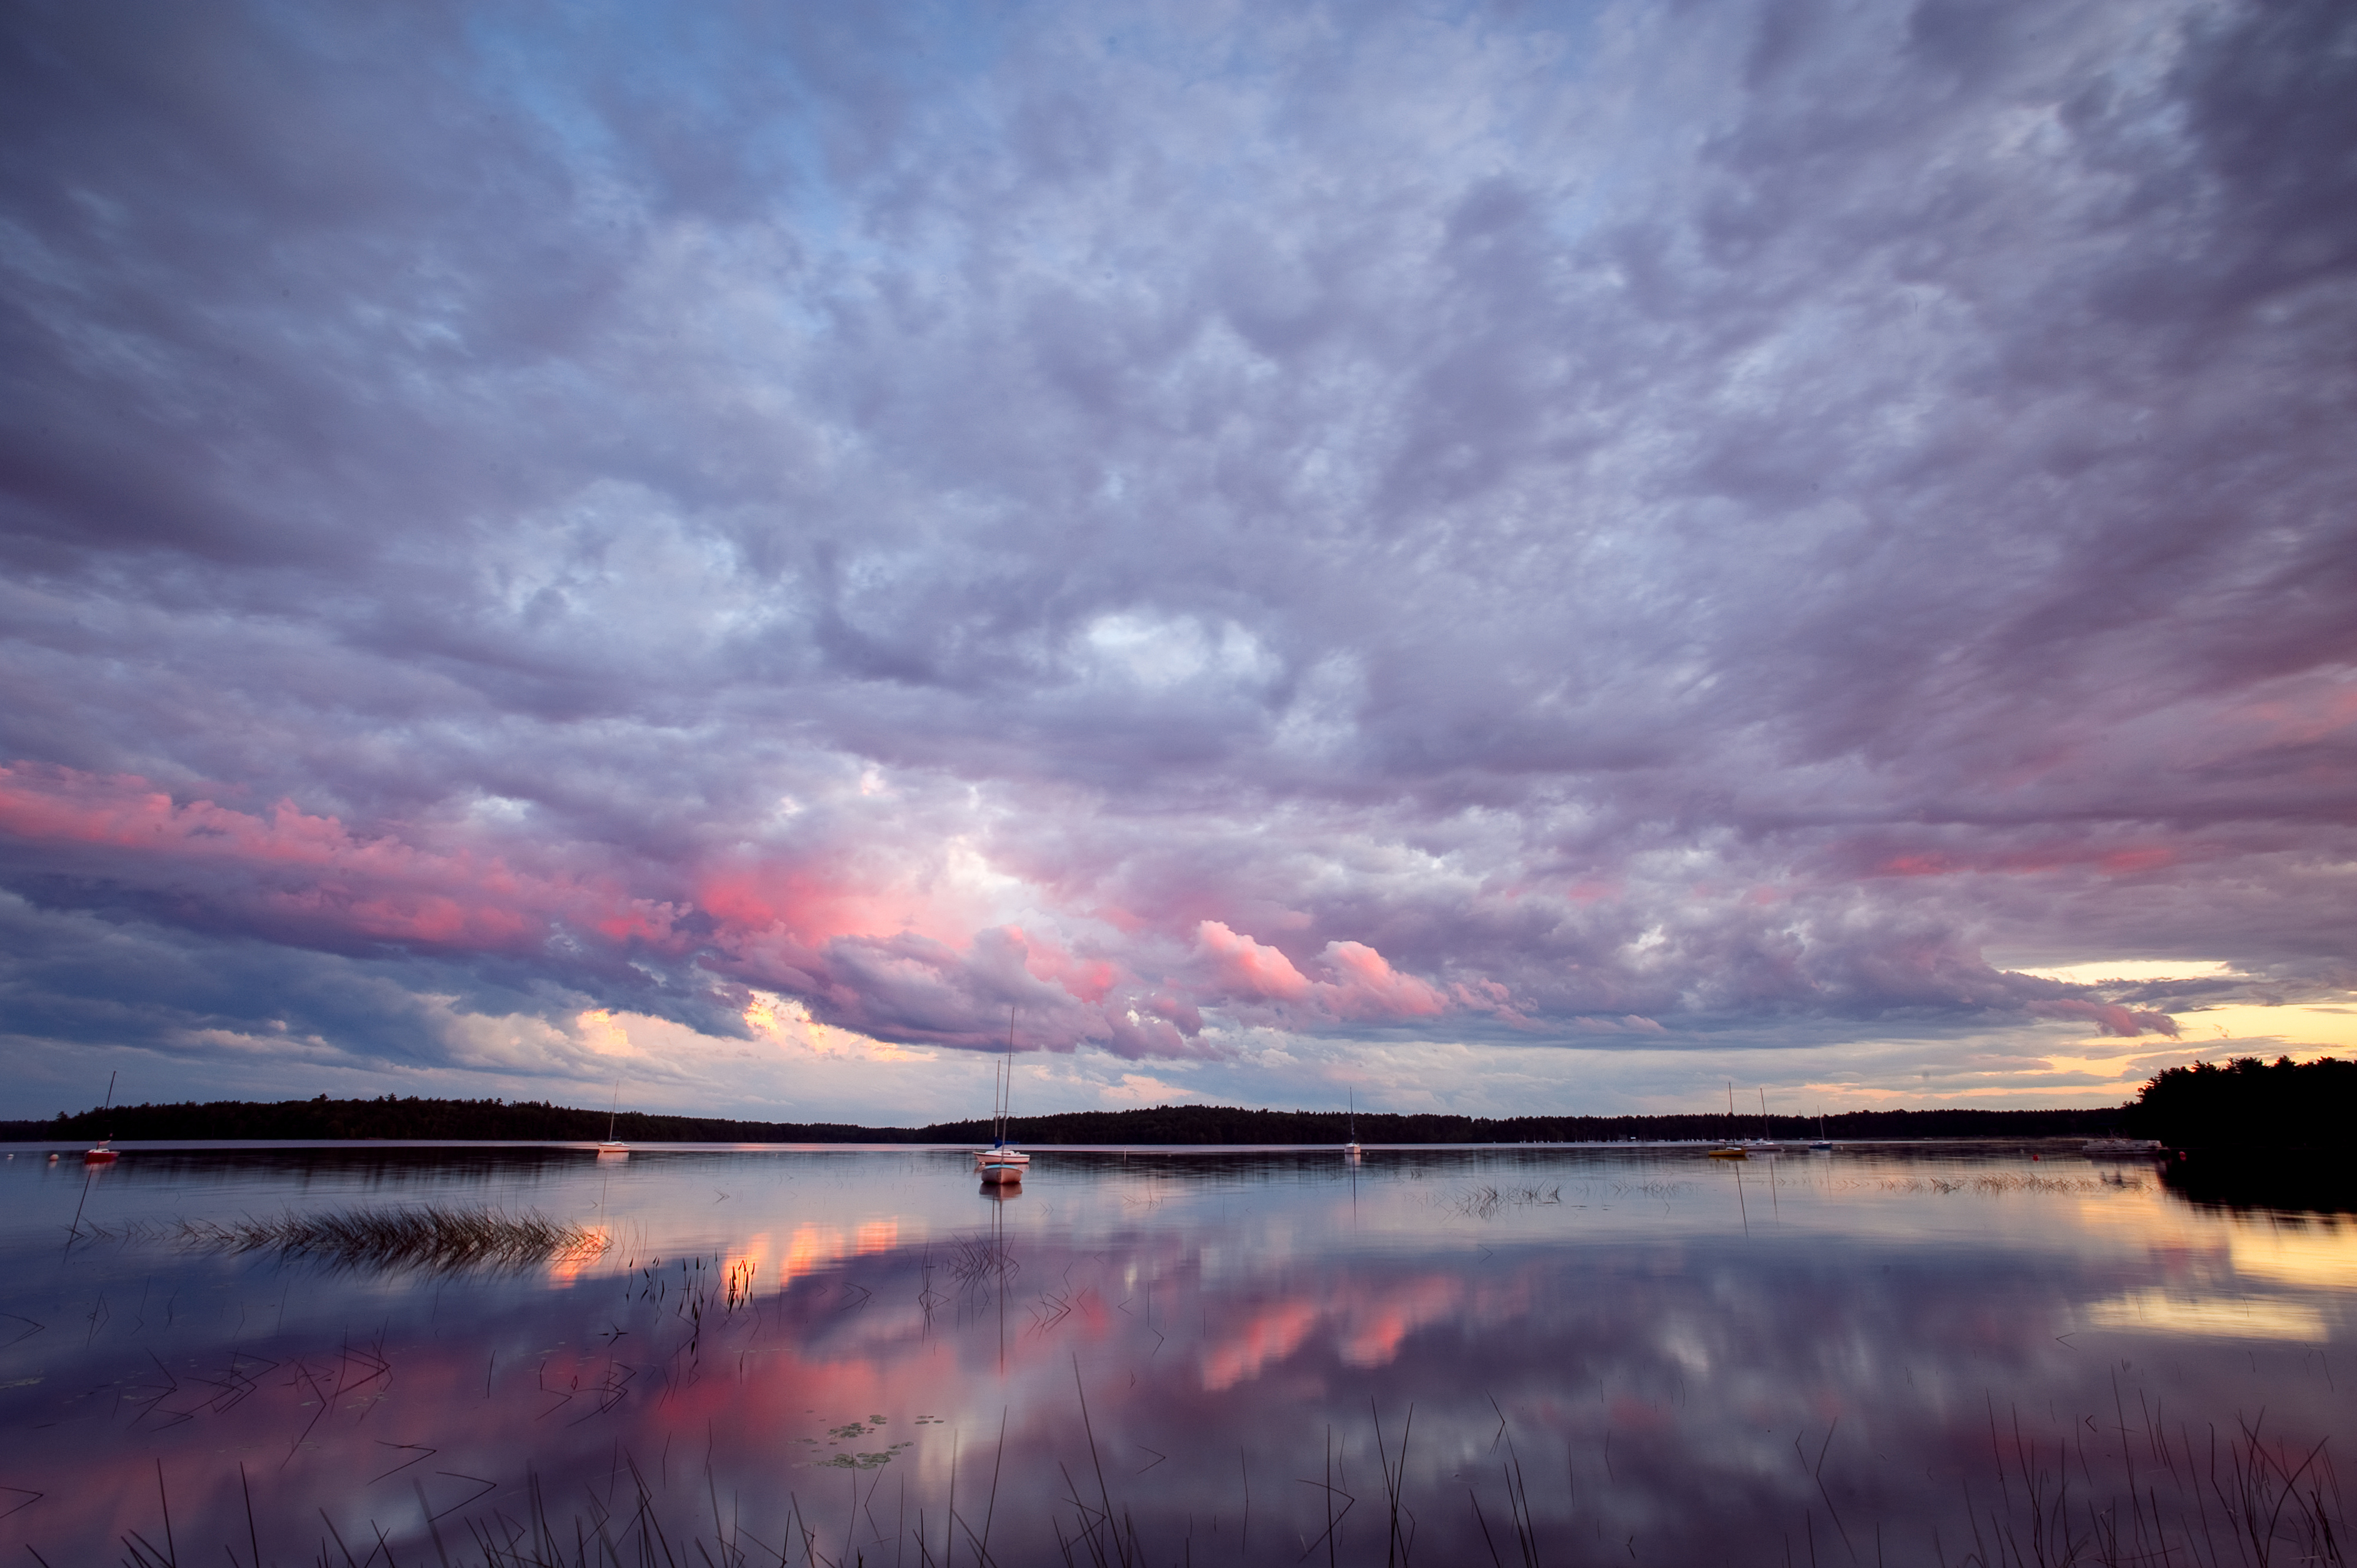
1484,1201
428,1237
2211,1499
2203,1498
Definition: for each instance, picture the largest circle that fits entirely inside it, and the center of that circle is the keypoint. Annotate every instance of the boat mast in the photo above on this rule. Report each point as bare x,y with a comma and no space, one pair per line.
1006,1099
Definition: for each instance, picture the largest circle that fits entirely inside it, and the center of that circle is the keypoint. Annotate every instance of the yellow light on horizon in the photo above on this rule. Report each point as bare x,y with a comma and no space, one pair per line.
2156,1311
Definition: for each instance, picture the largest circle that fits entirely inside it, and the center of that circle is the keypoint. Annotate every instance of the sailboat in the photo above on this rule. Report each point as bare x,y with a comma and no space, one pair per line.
1731,1149
1764,1143
611,1146
1350,1151
1003,1164
100,1154
1823,1142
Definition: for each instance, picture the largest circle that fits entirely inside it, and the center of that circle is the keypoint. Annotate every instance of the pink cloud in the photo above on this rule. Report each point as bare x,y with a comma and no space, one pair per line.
1245,968
289,865
1088,979
1370,988
1364,986
866,939
2108,1017
2129,860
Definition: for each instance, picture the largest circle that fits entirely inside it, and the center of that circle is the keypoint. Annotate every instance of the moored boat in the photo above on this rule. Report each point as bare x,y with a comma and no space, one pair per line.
1002,1165
102,1154
609,1147
1733,1148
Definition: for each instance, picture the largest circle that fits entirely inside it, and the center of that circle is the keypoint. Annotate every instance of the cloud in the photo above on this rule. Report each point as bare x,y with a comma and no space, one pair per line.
1529,528
2109,1018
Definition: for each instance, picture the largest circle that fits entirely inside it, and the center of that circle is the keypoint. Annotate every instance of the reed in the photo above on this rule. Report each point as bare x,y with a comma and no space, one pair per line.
1482,1202
429,1237
2167,1494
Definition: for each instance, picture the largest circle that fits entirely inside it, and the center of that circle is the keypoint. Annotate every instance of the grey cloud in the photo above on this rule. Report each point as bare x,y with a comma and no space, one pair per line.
1710,517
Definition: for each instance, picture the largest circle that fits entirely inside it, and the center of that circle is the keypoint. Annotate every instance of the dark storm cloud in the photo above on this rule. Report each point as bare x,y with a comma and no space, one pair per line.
1543,526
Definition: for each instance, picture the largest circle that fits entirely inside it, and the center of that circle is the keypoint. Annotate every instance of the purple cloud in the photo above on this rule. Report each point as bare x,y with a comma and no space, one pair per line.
1548,528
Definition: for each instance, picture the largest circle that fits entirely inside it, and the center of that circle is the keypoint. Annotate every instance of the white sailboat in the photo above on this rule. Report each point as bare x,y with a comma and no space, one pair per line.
1350,1151
1822,1144
1733,1148
611,1146
1002,1164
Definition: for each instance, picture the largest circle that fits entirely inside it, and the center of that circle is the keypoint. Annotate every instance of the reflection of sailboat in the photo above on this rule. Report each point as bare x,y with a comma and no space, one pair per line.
1731,1149
1350,1151
611,1147
1002,1165
100,1154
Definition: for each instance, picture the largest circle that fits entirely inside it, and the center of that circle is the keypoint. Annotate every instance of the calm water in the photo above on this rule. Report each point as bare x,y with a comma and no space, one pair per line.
1562,1356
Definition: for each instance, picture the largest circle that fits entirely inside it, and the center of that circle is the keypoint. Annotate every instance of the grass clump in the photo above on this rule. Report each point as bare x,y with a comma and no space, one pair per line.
428,1237
1482,1202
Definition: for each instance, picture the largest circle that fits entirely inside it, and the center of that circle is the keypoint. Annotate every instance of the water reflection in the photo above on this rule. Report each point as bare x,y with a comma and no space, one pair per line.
2291,1180
1224,1358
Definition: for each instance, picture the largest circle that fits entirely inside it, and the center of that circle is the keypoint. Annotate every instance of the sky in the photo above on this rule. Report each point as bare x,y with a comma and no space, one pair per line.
1503,559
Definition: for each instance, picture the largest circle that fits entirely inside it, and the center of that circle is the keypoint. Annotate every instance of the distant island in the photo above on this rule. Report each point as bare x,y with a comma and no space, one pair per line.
530,1121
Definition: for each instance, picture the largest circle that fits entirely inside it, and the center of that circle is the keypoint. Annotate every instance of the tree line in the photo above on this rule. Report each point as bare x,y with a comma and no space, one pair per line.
531,1121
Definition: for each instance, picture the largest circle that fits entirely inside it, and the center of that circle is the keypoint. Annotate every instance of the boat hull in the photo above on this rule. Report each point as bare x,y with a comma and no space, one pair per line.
1001,1175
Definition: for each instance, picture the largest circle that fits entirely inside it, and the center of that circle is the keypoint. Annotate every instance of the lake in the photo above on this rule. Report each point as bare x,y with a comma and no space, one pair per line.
1884,1354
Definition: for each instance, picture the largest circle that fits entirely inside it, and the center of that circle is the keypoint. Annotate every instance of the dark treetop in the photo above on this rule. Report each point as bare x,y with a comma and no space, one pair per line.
2250,1105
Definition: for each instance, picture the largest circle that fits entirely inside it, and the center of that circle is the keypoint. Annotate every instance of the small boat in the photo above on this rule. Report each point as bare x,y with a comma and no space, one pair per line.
102,1154
1733,1148
1764,1143
1002,1164
1350,1151
610,1147
1822,1144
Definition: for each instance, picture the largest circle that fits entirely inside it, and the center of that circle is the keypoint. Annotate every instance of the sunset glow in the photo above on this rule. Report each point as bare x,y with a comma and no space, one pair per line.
1532,559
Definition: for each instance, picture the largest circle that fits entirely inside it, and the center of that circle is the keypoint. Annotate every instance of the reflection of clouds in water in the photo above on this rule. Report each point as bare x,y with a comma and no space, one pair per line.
2159,1311
1873,1318
1268,1333
2320,1255
1369,1321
